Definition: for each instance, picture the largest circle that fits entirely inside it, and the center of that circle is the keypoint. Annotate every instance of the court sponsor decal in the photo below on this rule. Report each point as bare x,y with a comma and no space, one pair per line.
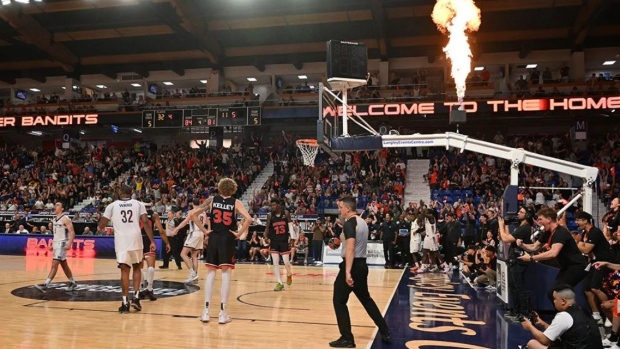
100,291
436,309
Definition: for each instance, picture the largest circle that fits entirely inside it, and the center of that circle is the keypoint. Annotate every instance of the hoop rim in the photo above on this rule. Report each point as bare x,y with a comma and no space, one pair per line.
307,141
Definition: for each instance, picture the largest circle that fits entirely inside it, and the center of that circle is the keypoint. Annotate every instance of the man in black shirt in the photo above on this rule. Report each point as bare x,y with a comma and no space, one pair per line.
561,245
452,232
596,245
517,268
388,235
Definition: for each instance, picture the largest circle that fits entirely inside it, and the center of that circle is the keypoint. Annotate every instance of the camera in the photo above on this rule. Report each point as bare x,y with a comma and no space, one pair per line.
537,233
532,317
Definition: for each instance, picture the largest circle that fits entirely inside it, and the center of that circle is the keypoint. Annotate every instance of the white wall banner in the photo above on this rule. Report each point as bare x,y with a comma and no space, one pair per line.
374,254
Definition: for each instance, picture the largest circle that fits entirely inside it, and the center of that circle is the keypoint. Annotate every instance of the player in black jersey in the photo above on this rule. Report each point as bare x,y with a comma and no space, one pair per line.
220,253
146,285
278,229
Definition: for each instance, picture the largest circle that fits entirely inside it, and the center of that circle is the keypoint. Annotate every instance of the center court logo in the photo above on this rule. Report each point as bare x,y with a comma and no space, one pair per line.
99,291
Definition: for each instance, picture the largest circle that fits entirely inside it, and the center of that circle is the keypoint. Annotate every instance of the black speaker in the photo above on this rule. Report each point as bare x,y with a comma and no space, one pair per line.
510,202
458,116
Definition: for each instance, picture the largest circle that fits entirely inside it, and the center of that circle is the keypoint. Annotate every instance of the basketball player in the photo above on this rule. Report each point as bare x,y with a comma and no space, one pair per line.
63,240
353,276
194,241
277,229
126,215
221,248
146,288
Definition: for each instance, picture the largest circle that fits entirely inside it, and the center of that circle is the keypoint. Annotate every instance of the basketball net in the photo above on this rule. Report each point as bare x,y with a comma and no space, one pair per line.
309,148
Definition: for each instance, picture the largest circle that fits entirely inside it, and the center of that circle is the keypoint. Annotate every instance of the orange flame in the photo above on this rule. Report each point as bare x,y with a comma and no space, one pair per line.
456,18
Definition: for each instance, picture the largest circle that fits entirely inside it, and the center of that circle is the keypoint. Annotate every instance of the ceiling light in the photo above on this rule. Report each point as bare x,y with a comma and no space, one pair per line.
302,77
311,86
6,2
82,132
478,68
101,86
137,130
136,85
252,79
35,90
531,66
23,1
168,83
36,133
74,86
609,62
203,81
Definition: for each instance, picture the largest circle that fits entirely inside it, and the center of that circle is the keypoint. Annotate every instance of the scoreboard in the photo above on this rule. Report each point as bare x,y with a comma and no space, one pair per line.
206,117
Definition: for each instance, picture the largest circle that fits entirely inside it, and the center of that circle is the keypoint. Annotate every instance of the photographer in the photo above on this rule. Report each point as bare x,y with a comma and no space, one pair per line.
488,269
560,245
571,328
516,267
469,260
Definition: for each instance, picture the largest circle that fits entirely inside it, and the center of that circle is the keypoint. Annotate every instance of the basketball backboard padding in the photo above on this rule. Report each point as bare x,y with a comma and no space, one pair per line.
357,143
340,84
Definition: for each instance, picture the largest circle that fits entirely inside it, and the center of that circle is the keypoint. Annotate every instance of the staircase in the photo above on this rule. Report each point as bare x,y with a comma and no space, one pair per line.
257,184
416,189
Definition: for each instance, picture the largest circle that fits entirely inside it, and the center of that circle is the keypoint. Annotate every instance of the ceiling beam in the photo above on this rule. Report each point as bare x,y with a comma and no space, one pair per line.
144,57
300,48
283,21
33,33
589,11
194,24
124,32
485,7
65,6
379,18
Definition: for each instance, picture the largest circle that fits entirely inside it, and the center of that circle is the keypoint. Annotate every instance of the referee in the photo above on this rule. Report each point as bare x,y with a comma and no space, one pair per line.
353,276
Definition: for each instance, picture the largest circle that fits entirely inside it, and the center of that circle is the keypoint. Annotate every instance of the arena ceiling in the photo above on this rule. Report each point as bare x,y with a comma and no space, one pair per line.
74,37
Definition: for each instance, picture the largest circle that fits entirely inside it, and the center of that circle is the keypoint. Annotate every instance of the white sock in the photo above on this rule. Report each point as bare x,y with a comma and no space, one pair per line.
209,286
225,287
150,275
287,264
47,281
276,266
71,280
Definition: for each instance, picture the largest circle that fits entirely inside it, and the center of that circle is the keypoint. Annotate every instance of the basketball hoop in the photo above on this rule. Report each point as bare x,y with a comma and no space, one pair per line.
309,148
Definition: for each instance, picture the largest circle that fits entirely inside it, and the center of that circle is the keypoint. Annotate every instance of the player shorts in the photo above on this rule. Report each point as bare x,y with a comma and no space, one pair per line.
280,247
146,246
60,253
220,250
129,257
430,244
195,240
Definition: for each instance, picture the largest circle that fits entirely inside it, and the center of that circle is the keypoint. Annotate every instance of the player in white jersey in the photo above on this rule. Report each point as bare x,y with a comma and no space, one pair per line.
194,241
125,215
63,240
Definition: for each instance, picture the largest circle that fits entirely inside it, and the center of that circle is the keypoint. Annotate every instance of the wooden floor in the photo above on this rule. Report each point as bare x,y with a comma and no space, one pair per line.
301,316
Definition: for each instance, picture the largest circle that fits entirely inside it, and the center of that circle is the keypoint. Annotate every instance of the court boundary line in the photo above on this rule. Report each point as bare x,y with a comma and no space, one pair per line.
35,305
385,309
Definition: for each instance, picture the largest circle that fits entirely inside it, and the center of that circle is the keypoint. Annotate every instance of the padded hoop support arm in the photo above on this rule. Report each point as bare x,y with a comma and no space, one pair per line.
517,156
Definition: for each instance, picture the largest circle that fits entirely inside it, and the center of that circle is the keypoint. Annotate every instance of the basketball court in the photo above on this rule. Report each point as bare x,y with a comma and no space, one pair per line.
301,316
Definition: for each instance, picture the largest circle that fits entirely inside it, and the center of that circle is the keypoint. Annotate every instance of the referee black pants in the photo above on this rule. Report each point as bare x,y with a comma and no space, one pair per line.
175,251
359,273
